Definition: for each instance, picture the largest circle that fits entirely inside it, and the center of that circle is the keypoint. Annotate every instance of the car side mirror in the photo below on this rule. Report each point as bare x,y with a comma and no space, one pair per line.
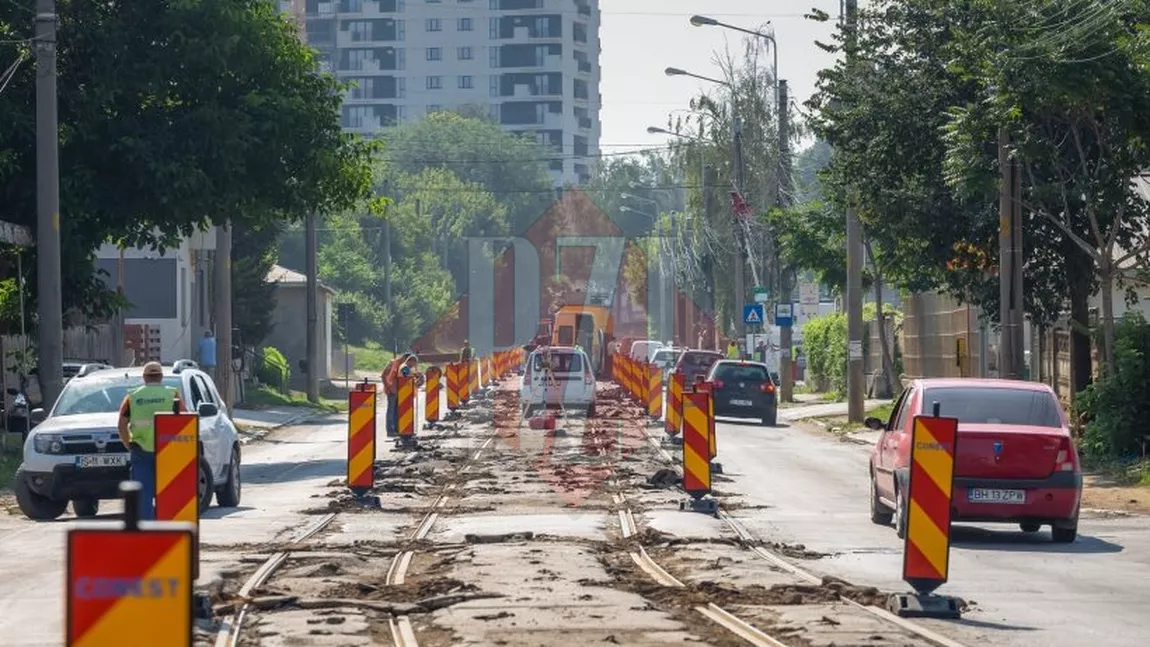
875,424
207,410
12,391
36,416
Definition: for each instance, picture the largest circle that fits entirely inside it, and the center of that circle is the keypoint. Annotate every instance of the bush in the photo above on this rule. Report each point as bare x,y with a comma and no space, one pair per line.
825,345
274,369
1117,407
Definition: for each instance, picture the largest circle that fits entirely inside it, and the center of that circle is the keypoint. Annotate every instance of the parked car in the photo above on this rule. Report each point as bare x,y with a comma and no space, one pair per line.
644,350
1016,461
743,389
75,453
558,377
665,359
696,364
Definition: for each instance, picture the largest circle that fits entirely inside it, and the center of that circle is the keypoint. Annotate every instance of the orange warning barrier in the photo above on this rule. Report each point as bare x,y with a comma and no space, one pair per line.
431,399
674,418
696,432
177,467
465,371
130,587
454,385
361,441
707,388
473,378
926,554
405,402
654,391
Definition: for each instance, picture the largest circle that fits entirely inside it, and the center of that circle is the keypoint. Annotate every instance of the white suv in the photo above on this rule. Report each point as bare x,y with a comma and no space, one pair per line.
76,455
558,377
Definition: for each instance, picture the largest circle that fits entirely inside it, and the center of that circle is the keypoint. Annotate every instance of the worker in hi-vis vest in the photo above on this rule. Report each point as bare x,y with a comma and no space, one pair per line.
138,432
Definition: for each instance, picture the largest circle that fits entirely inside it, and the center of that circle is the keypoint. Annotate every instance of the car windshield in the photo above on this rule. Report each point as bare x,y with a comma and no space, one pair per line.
995,406
82,395
567,362
699,362
664,356
752,373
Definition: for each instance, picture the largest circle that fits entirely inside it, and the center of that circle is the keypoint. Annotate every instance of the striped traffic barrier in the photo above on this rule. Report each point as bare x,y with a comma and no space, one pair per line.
696,442
474,377
405,402
454,386
465,371
654,392
177,467
926,555
361,441
431,389
674,418
708,389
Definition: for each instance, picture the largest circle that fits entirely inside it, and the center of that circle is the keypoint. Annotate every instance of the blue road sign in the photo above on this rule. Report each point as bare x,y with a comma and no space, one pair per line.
753,314
784,315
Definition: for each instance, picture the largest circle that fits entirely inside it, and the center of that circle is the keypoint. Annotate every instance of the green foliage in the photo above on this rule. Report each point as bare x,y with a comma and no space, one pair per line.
217,114
254,253
812,237
274,369
825,345
1117,406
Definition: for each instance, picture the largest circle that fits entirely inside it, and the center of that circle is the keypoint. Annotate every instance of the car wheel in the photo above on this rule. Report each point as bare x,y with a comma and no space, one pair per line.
1065,534
86,507
900,512
1029,526
591,411
205,487
879,513
35,506
228,496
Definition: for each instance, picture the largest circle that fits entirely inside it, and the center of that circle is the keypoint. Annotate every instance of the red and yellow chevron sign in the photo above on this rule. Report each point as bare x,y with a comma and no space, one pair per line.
177,467
473,383
405,400
361,440
674,418
454,385
431,406
465,371
129,587
696,443
926,556
654,391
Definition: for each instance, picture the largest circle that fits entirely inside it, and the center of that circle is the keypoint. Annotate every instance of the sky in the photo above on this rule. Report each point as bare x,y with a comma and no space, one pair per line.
640,38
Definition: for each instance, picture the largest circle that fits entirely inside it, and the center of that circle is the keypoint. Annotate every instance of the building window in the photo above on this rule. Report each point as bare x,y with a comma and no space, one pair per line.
434,82
465,24
360,30
465,83
433,24
434,54
464,53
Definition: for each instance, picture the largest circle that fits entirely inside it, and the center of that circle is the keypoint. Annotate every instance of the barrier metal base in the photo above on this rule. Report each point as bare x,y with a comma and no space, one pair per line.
201,606
453,415
716,468
655,422
407,442
705,505
916,605
434,426
368,500
674,440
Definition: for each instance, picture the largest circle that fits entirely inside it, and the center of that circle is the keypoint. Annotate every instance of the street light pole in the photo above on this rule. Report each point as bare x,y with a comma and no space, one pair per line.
49,300
855,376
786,279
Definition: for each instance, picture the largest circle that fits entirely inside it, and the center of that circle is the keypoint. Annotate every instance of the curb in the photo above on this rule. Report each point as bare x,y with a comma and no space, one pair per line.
263,430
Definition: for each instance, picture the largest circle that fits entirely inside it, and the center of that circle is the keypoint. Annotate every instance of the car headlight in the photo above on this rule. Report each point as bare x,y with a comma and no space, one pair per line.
48,443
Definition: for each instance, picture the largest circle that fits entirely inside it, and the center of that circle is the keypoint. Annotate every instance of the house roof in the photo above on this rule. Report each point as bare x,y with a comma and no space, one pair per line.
283,276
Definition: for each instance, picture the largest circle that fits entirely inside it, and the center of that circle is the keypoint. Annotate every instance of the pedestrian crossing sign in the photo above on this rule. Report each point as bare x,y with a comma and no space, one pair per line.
753,313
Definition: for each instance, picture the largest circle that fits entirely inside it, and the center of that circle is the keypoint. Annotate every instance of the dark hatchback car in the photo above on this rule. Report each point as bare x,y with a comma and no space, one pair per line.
744,390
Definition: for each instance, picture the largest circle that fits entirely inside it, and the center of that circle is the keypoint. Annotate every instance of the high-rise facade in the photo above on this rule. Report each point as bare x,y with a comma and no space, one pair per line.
531,65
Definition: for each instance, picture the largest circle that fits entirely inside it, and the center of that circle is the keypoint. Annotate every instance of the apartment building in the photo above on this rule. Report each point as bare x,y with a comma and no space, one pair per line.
531,65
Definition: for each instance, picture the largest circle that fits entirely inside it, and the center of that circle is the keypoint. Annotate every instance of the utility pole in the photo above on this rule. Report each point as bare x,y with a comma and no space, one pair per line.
49,298
223,307
710,178
738,261
1010,344
855,377
312,299
785,278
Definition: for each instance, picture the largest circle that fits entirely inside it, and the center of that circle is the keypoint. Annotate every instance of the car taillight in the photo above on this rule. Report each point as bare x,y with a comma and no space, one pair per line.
1067,460
767,387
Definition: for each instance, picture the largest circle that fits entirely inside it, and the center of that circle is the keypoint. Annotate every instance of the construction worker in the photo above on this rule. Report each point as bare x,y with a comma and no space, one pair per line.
732,350
391,390
466,353
138,432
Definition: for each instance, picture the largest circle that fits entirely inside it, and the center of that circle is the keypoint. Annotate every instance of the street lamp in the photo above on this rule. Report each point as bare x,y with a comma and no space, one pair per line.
704,21
674,71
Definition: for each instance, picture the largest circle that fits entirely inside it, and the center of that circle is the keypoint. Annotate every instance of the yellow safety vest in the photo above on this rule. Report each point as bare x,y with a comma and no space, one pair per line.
732,352
144,403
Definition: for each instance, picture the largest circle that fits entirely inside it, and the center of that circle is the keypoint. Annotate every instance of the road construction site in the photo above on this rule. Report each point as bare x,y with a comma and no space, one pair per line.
491,532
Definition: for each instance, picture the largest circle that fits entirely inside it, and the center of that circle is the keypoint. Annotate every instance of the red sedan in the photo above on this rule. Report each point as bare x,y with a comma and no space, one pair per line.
1016,462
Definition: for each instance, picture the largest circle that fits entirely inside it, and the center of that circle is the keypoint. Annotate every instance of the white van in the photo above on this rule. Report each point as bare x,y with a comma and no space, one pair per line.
644,350
558,377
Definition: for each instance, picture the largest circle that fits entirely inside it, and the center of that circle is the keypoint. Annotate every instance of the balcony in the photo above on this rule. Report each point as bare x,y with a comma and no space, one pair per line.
585,67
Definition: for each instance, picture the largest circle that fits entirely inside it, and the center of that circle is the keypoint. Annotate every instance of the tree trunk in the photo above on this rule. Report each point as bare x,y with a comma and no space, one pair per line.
1106,284
885,354
1080,369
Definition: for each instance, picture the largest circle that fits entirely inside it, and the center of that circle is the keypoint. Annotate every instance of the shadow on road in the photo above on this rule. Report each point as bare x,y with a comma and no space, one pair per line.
220,513
972,538
750,422
283,472
996,626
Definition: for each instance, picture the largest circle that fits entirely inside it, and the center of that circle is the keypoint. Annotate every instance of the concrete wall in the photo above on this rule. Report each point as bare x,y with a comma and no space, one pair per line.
289,334
935,328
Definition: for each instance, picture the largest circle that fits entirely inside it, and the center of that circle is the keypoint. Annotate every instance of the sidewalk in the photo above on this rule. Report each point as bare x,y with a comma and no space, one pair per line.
255,424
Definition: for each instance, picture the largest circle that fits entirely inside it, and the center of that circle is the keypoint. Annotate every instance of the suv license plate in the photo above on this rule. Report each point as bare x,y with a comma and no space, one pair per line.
1011,497
102,460
741,403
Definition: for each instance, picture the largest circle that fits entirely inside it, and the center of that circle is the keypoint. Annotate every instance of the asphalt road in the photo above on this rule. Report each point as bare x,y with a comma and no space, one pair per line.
1027,591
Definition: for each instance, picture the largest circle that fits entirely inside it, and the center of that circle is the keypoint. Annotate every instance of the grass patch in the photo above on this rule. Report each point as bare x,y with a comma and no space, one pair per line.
263,397
370,357
1120,473
882,412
